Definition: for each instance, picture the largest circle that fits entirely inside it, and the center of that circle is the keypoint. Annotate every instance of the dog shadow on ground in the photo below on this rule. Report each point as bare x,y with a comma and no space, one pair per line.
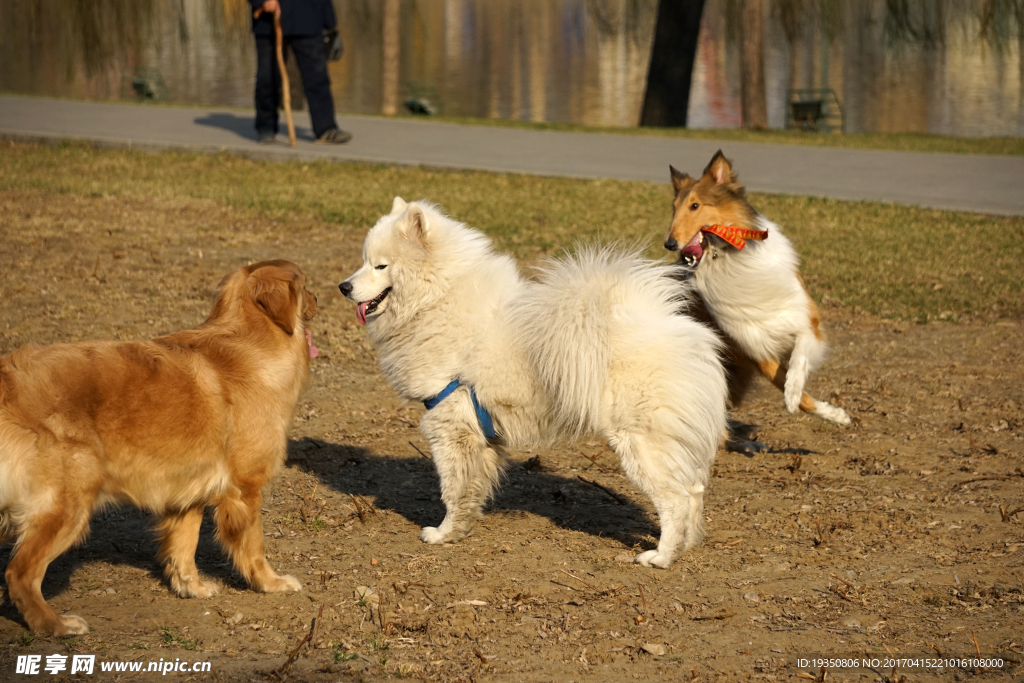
123,536
409,487
243,126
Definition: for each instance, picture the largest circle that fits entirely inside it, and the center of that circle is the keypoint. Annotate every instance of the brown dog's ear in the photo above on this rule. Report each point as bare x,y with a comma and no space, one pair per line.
720,169
273,290
680,181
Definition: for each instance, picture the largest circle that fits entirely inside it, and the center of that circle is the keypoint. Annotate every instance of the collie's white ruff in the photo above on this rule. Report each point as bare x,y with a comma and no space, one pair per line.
593,344
755,295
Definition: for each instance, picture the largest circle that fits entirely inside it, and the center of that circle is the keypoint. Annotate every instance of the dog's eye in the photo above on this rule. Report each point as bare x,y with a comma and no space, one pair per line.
381,266
694,206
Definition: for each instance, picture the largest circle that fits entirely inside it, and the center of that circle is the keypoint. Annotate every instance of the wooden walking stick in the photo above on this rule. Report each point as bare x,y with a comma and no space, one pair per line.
286,92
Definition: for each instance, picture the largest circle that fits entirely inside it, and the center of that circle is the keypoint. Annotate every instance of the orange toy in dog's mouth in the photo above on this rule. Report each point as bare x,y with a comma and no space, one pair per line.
692,252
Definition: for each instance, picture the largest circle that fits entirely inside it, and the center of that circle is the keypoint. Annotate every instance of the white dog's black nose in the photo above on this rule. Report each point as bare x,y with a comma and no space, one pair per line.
671,244
346,288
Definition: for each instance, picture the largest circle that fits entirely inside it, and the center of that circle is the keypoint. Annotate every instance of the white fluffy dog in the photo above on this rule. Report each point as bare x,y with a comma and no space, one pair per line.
594,344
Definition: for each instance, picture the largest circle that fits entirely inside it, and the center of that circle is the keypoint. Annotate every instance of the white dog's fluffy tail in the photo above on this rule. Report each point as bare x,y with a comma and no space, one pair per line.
602,327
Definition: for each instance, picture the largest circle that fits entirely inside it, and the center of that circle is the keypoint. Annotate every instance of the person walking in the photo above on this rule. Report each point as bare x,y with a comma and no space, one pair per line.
304,24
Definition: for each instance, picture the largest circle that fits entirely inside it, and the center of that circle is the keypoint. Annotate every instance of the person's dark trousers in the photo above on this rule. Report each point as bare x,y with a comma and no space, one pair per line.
311,57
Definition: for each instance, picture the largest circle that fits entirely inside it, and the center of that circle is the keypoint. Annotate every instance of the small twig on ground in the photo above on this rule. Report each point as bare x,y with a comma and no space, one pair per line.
618,499
642,598
892,673
977,648
996,478
359,509
857,600
821,534
371,507
593,459
422,454
1008,515
306,511
565,585
578,579
839,578
380,613
719,616
309,638
480,655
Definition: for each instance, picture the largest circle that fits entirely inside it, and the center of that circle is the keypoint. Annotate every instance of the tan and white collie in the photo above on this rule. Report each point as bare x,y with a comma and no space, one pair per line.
746,273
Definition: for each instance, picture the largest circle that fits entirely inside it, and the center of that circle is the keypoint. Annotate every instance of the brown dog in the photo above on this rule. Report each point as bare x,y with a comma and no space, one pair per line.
196,418
746,273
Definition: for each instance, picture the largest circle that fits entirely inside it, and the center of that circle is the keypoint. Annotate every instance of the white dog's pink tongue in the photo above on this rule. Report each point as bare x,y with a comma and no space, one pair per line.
693,247
361,312
313,351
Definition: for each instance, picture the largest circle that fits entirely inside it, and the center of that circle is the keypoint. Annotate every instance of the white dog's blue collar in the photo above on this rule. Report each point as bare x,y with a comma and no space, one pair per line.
482,416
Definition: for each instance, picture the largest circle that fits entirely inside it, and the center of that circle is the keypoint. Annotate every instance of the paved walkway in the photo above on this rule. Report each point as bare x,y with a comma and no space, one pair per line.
988,184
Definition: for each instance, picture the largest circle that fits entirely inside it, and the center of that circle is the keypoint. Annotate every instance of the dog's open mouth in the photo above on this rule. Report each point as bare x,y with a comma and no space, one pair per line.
313,351
691,254
366,308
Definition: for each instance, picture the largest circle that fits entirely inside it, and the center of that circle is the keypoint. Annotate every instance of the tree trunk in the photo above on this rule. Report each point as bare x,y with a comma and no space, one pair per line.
672,55
389,81
753,100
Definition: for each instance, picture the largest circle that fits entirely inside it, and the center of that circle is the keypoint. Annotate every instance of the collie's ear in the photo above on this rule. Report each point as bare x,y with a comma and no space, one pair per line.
398,206
720,169
274,292
680,180
415,226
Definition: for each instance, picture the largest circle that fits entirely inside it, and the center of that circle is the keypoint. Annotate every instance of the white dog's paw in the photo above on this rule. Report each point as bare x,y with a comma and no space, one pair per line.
432,535
652,558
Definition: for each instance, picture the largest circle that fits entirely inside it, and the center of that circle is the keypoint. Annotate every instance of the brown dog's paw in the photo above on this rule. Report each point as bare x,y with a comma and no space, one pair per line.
281,584
71,625
195,589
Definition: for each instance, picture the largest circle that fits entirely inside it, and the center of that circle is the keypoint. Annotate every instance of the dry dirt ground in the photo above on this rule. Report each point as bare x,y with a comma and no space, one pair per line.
893,535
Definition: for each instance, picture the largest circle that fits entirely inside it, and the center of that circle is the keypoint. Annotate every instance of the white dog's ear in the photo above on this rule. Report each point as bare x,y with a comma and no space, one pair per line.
415,224
398,205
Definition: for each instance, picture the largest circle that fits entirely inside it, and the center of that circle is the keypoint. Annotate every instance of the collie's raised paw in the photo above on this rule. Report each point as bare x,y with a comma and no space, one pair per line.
829,412
432,535
652,558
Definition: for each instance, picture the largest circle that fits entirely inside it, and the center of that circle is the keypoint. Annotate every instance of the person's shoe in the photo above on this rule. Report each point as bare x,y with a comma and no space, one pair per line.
266,137
335,136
